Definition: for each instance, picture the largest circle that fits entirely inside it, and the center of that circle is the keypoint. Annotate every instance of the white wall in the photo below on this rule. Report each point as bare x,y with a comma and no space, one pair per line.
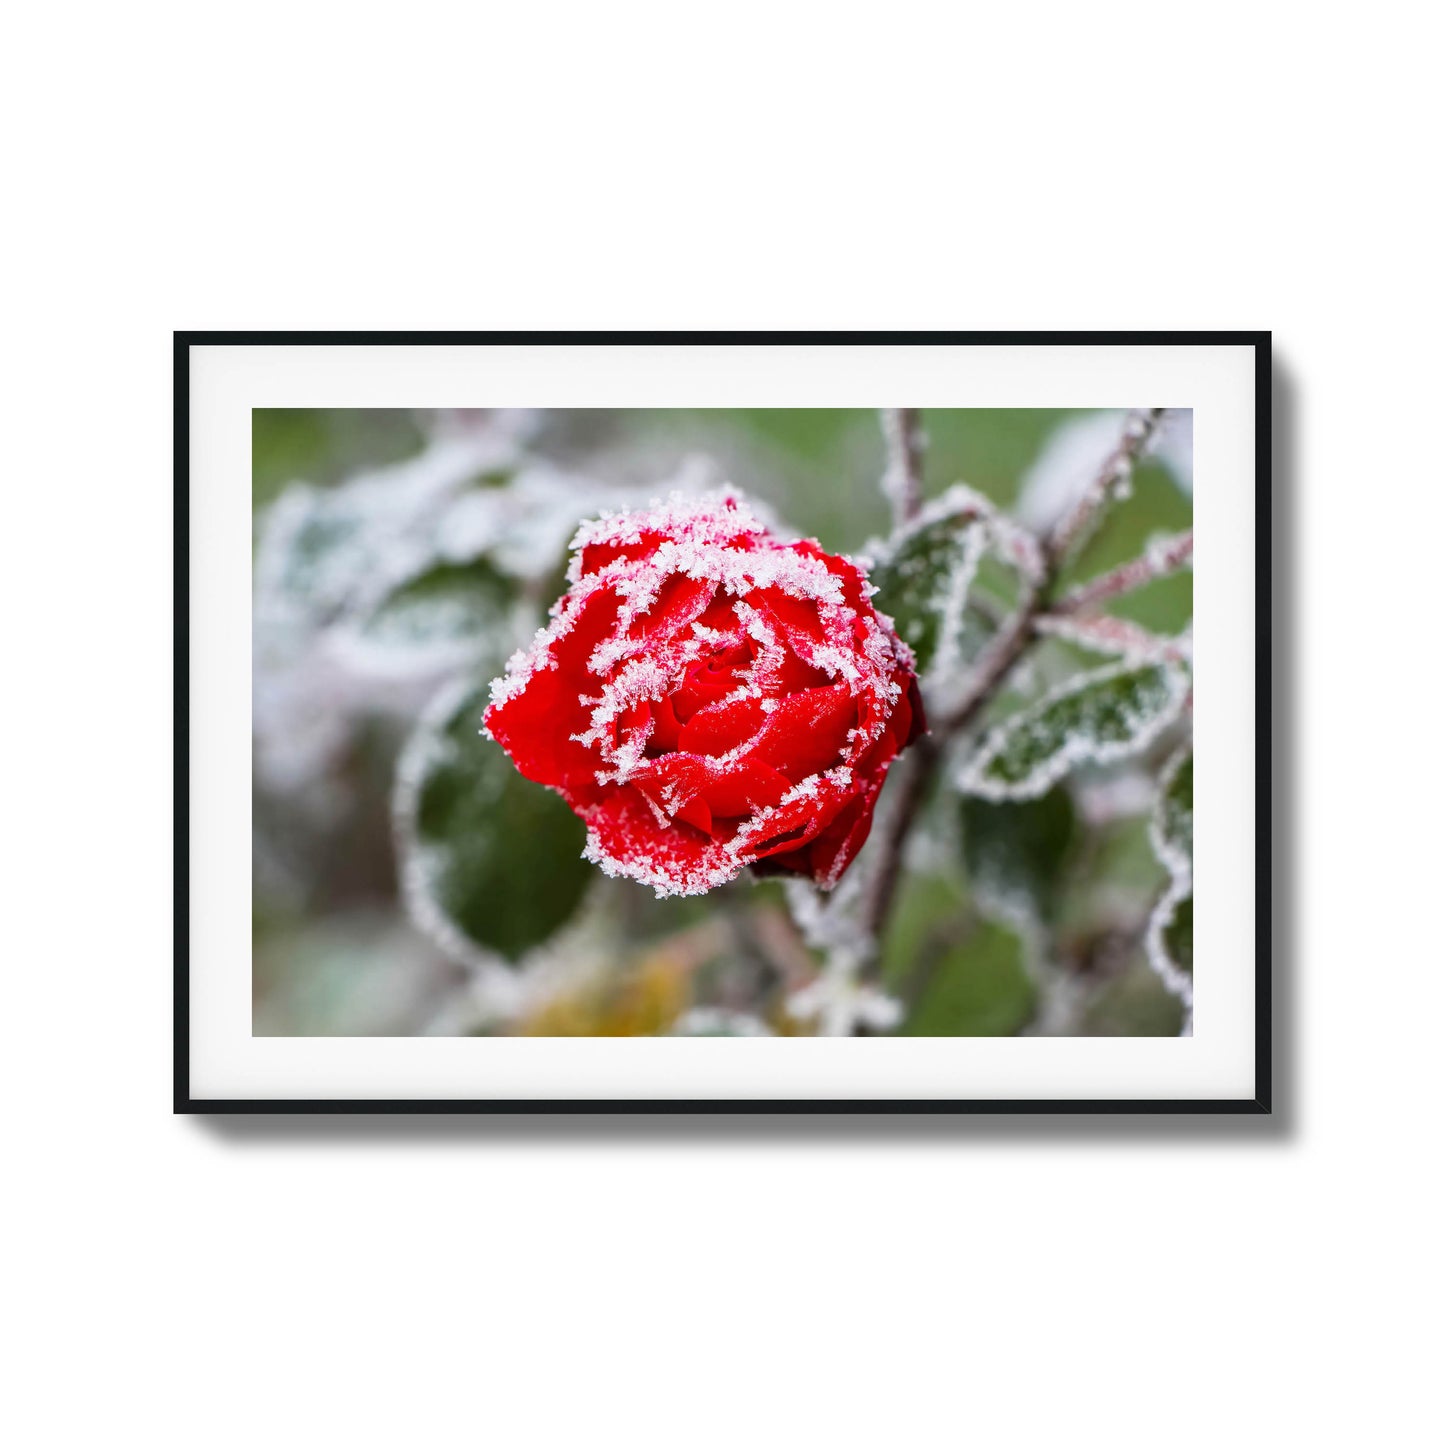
1112,165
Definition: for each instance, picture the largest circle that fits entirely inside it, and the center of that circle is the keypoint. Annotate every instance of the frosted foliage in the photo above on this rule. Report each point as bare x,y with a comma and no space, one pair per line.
1172,828
923,580
717,540
1169,940
1099,717
320,548
326,561
471,831
830,924
840,1004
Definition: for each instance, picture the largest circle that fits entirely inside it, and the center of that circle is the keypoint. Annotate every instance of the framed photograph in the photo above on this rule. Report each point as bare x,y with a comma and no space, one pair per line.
668,723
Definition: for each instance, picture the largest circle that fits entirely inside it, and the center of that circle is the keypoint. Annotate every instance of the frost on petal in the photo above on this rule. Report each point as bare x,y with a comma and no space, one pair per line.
625,841
537,722
1098,717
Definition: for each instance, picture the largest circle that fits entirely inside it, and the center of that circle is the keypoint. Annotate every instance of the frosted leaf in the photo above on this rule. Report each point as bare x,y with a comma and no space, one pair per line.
829,922
327,559
488,861
433,623
1172,827
841,1004
1169,940
1097,717
524,527
1108,797
319,547
923,576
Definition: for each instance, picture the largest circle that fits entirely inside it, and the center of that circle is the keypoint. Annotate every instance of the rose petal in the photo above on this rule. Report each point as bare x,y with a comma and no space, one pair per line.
794,824
807,732
597,555
798,619
625,837
721,727
536,726
743,788
837,845
710,680
844,568
666,727
680,600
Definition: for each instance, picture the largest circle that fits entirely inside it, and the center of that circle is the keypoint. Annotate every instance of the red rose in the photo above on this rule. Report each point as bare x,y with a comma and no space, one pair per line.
707,697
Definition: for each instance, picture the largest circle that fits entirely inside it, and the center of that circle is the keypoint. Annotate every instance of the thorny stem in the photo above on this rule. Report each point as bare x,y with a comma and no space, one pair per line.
903,479
919,767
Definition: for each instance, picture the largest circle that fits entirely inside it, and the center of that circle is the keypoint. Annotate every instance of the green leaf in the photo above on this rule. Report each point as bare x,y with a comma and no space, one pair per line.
1170,938
314,552
1173,826
448,605
977,987
489,858
1098,717
1178,937
923,583
1016,852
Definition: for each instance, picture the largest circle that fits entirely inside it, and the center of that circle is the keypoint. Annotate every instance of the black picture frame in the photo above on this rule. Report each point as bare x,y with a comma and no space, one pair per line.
1261,1103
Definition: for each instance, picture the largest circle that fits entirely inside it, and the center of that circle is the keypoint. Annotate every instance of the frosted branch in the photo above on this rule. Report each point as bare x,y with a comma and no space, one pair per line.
903,478
1159,559
1112,482
1103,633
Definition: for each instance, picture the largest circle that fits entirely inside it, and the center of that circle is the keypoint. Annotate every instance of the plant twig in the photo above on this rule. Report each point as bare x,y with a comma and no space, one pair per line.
903,477
917,767
1113,478
1158,560
997,660
1103,633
